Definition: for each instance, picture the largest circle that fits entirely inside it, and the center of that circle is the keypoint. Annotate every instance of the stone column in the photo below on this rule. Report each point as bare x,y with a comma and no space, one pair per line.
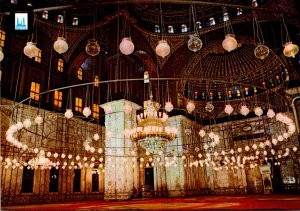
119,180
175,172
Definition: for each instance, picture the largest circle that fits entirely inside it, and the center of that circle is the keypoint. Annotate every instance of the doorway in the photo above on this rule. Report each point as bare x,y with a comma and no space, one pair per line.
149,178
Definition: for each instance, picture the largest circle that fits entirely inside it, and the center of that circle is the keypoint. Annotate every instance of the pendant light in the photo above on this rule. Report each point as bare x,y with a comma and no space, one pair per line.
194,43
93,48
126,46
61,45
290,49
261,51
30,50
163,48
229,43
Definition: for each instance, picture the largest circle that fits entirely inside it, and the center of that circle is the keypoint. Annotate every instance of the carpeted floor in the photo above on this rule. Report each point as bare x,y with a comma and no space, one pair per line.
245,202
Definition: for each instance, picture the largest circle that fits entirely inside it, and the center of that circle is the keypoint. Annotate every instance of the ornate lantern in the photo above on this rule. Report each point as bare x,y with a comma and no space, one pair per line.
126,46
163,49
229,43
92,48
60,45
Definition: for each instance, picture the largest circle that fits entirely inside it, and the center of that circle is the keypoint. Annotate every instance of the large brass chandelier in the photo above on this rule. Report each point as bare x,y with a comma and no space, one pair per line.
151,132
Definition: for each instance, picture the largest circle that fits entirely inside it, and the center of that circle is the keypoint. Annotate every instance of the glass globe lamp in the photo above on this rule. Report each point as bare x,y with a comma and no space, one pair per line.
229,43
194,43
228,109
38,120
270,113
68,114
169,106
31,50
258,111
126,46
190,107
60,45
1,54
261,51
86,111
244,110
92,48
163,49
290,49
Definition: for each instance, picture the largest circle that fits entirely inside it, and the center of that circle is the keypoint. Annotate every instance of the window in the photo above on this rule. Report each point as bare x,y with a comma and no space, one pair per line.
75,21
254,3
199,25
78,104
57,99
79,73
38,58
60,65
96,80
2,38
157,29
225,16
183,28
211,22
35,91
27,180
53,183
239,11
60,19
96,111
95,180
170,29
45,14
76,180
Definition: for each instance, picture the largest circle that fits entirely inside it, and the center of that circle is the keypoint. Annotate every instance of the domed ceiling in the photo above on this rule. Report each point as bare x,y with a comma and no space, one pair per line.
205,76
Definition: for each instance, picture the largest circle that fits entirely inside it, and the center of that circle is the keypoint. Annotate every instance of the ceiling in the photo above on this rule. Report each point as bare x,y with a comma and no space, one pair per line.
210,70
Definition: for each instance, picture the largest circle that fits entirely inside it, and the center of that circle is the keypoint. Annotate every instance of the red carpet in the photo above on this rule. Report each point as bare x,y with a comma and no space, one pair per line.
244,202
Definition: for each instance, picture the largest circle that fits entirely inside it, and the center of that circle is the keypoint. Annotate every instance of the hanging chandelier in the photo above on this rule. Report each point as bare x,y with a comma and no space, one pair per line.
151,132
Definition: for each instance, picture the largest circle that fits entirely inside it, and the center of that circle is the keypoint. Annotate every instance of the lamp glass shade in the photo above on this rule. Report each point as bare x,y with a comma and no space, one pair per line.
126,46
86,111
92,48
60,45
261,51
229,43
31,50
169,106
163,49
290,49
194,43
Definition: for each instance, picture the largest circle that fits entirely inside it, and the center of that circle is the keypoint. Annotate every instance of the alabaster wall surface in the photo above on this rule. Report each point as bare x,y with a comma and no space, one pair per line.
54,135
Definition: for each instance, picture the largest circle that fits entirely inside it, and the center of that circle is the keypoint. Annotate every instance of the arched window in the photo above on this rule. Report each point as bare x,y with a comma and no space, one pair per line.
225,16
183,28
254,3
96,80
60,65
199,25
239,11
170,29
35,91
75,21
211,21
157,29
38,58
45,14
79,73
60,19
2,38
